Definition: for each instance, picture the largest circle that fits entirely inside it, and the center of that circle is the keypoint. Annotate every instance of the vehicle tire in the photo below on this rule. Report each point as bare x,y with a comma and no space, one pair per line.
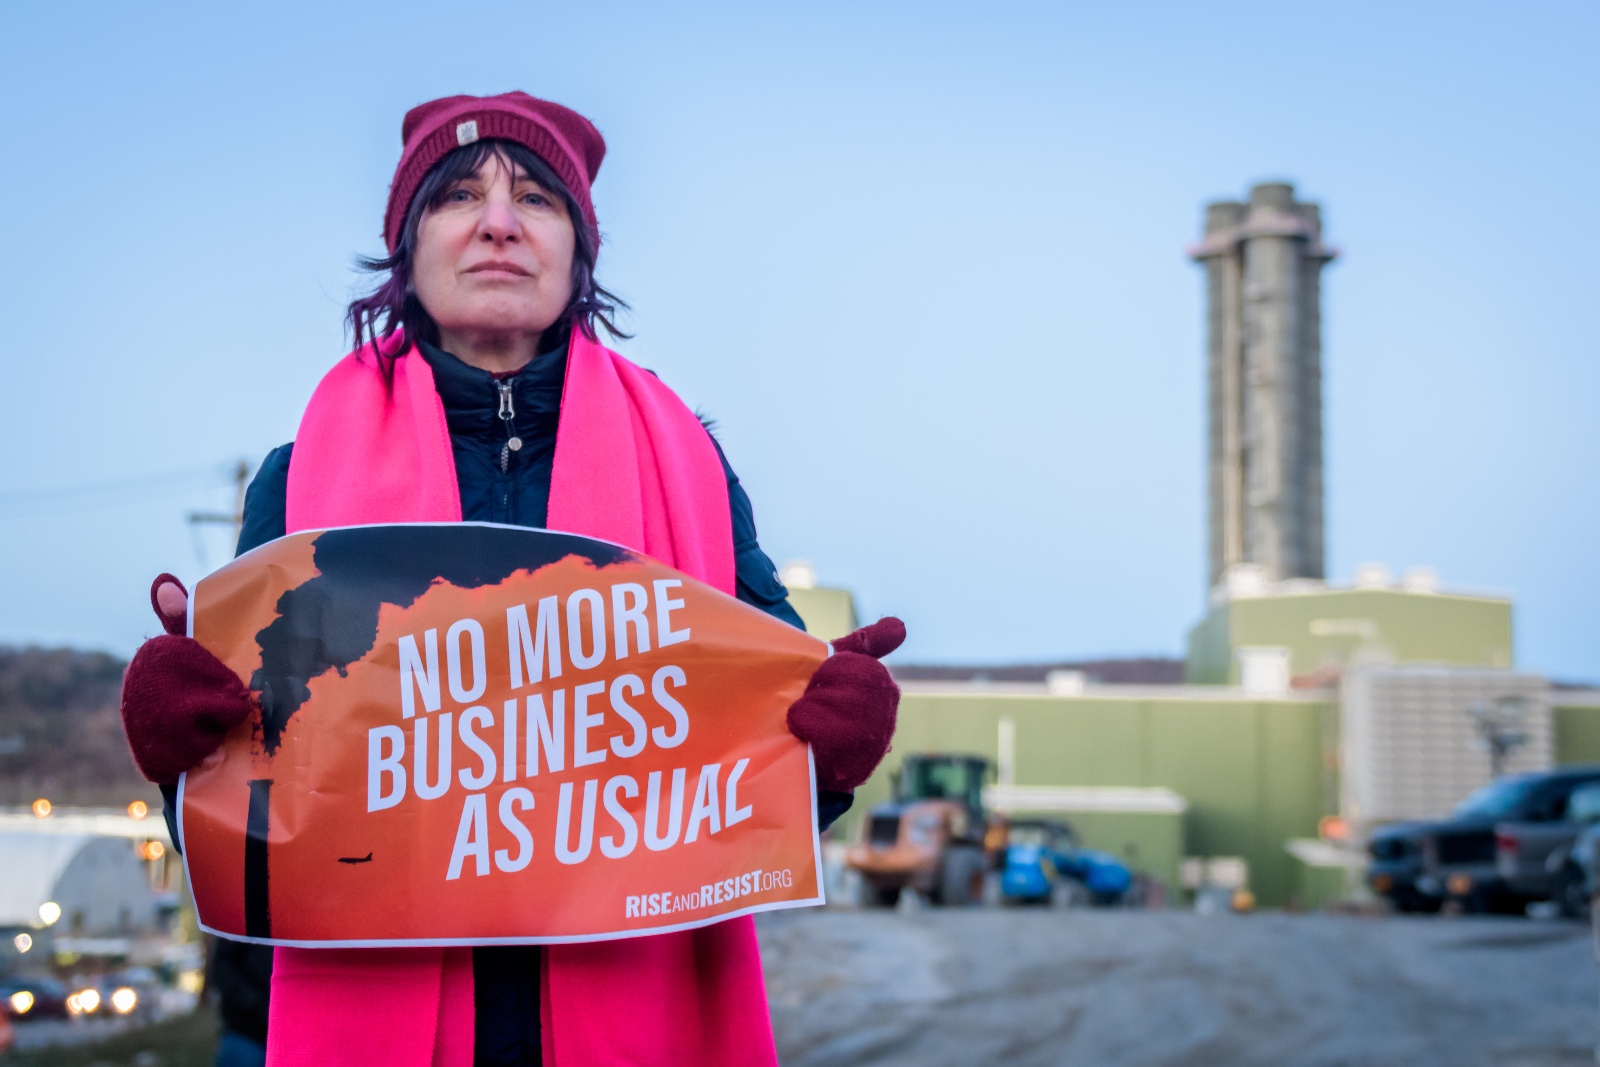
1570,894
1416,904
1504,903
875,896
961,878
1421,905
992,896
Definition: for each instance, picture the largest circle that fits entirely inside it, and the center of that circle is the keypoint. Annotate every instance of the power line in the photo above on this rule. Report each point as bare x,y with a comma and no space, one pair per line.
94,496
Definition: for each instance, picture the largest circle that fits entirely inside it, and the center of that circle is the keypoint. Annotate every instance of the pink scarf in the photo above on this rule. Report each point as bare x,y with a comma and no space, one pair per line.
632,465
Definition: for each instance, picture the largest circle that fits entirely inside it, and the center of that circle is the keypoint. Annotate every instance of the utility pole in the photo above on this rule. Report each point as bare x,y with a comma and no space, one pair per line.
235,519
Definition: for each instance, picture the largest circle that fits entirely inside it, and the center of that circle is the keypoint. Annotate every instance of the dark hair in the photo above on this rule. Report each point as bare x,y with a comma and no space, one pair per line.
393,303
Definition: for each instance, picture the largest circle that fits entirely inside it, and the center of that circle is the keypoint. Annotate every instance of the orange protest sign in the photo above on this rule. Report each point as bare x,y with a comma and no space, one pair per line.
479,734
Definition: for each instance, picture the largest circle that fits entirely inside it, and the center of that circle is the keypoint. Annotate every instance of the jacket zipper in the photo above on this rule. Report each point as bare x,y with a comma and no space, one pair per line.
508,415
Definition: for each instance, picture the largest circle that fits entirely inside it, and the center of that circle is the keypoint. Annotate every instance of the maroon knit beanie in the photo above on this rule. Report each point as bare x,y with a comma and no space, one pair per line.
566,141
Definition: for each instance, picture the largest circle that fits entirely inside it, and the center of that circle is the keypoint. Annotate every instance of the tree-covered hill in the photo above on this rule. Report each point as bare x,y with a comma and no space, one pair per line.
60,735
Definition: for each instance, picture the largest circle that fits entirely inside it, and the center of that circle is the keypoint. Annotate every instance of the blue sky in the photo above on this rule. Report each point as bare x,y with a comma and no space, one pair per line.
923,263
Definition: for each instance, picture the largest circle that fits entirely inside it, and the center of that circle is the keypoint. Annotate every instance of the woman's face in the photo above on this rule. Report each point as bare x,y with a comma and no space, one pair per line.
495,257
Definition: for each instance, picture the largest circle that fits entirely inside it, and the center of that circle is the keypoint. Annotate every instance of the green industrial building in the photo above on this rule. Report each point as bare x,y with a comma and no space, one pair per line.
1253,770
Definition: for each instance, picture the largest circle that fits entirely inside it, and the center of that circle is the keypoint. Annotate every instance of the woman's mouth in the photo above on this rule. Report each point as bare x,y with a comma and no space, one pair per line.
497,266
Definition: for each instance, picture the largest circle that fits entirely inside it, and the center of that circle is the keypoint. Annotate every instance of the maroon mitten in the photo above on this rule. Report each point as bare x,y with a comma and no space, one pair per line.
847,712
178,700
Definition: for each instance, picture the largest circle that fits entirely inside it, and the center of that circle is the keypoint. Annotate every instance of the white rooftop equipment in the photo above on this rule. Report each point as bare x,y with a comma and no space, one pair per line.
1373,576
1264,670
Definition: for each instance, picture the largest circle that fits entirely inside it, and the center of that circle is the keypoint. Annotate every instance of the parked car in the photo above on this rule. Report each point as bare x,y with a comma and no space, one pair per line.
1396,864
1572,867
33,997
1534,858
129,992
1460,855
1044,863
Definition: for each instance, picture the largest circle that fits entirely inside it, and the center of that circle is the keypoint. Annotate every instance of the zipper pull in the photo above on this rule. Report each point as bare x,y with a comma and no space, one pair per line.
508,415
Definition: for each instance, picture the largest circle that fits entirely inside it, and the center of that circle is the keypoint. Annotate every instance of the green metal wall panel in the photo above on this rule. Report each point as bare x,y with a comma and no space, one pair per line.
1206,752
1318,887
1577,731
1294,793
1210,655
1078,741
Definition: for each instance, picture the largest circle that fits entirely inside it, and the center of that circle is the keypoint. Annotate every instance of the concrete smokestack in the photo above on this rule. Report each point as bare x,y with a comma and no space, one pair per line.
1263,262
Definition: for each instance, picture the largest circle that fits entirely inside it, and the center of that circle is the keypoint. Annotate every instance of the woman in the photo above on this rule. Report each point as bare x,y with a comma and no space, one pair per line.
479,391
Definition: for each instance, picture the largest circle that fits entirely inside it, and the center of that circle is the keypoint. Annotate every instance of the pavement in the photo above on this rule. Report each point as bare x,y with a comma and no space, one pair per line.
1138,989
44,1033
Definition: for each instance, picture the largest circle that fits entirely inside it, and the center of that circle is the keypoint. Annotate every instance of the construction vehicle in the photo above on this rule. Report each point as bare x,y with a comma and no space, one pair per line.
1044,863
933,838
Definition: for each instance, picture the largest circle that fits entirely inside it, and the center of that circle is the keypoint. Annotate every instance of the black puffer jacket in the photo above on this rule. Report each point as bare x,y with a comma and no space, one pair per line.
486,415
240,978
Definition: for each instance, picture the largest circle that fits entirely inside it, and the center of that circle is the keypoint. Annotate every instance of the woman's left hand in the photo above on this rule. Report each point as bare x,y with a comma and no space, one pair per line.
847,712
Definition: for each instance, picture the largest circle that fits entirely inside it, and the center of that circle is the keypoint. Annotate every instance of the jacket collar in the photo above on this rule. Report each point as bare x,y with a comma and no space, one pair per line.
472,396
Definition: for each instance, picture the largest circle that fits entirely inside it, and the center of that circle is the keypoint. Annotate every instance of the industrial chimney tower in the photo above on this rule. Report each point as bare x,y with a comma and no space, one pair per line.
1263,262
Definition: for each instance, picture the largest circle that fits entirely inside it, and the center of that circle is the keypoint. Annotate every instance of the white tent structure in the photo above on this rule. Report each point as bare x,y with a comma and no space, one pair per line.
97,881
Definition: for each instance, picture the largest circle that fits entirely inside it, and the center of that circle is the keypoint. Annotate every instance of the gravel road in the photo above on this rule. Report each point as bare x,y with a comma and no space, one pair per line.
1129,989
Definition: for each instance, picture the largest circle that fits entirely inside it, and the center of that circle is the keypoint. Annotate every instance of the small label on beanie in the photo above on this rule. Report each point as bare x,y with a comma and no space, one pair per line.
466,132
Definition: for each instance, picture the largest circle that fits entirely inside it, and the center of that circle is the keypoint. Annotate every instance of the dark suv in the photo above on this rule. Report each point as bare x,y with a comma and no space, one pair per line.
1396,864
1459,861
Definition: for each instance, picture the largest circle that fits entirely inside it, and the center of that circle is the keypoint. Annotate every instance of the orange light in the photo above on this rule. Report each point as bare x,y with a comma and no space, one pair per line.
41,807
1459,885
1332,828
152,850
138,809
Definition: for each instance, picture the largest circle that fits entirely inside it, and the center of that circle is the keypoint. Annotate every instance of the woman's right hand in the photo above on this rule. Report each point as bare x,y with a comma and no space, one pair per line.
178,700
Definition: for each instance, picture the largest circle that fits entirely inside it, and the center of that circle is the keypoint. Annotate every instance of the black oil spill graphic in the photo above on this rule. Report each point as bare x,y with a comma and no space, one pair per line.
331,620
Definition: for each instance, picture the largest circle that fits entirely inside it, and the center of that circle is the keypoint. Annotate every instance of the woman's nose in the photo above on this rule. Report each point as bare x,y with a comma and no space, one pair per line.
498,222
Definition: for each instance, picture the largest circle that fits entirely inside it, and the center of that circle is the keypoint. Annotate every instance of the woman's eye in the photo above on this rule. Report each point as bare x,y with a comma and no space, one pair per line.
537,199
458,196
